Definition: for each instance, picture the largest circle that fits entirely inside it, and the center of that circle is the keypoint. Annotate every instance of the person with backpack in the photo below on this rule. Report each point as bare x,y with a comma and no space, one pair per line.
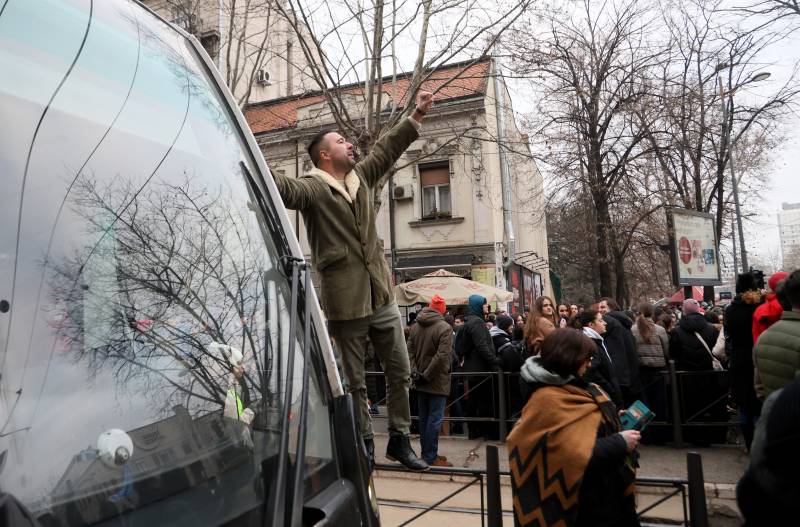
476,351
512,354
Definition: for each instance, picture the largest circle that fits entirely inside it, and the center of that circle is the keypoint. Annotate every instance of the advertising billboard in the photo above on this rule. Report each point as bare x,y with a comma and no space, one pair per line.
693,240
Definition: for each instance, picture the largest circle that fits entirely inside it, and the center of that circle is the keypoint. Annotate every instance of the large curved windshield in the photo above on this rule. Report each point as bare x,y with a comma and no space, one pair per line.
145,318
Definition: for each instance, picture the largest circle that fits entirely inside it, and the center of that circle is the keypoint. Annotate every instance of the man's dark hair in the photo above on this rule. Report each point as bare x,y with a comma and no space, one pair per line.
315,145
791,288
780,295
564,350
613,305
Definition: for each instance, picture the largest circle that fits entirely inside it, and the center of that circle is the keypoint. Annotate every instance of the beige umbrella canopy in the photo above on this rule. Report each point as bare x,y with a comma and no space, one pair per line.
451,287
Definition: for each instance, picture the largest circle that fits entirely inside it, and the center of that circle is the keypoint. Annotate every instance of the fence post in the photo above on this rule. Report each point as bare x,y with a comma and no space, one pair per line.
697,490
677,425
494,504
501,389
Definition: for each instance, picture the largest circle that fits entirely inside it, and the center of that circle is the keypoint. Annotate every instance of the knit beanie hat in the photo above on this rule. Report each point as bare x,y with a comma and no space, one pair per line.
438,303
504,322
775,278
745,282
691,306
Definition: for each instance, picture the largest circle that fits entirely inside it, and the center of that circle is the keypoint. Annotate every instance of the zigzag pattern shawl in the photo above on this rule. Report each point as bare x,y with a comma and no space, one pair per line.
549,449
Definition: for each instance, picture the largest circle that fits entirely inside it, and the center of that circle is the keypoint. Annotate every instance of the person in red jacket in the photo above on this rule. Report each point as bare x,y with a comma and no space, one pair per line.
770,311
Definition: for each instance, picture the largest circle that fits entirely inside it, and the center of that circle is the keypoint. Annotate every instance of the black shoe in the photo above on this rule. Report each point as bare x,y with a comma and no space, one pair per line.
369,445
399,449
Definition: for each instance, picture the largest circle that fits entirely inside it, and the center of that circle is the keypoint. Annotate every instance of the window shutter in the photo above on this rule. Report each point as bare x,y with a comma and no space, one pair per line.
439,175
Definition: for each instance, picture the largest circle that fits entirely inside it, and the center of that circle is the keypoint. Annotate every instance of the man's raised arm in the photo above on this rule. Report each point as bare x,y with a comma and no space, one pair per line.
391,146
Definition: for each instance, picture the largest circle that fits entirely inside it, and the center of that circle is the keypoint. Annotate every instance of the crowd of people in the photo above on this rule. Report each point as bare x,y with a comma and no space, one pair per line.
581,366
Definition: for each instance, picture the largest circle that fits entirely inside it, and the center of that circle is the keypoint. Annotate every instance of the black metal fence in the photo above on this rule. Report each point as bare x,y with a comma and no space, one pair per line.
690,406
691,490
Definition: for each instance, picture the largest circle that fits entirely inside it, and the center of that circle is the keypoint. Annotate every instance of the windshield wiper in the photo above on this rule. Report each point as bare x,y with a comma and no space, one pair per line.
292,267
278,497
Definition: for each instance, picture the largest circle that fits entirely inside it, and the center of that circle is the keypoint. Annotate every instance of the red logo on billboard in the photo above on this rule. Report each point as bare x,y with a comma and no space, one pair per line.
685,250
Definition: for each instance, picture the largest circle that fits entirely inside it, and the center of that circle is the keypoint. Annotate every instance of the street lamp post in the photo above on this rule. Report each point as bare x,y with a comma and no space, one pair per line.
726,137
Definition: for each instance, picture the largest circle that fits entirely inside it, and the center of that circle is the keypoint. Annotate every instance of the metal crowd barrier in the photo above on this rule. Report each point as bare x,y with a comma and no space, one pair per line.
687,402
691,490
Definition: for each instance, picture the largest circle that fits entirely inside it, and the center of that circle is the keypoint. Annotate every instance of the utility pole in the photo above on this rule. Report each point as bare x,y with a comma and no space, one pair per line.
726,139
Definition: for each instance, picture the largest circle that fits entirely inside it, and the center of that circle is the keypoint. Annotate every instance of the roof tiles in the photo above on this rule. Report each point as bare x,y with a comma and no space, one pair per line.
465,80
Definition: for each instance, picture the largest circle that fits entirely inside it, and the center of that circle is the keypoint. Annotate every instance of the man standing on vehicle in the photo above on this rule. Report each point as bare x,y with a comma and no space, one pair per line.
336,201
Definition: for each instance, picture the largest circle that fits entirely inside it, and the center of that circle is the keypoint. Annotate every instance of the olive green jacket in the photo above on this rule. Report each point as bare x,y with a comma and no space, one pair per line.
340,223
777,353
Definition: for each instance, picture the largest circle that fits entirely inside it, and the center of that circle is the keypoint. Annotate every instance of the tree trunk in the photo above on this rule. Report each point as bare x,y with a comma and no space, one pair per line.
621,282
602,230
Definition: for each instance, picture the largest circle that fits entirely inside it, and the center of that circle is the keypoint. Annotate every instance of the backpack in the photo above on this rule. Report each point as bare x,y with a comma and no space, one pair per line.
513,355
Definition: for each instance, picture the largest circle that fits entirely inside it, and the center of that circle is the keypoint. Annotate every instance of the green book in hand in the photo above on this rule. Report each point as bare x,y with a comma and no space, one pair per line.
636,417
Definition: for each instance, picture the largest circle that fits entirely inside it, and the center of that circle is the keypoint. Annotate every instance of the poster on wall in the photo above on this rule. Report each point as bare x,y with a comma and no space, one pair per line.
483,274
693,240
514,272
527,288
538,287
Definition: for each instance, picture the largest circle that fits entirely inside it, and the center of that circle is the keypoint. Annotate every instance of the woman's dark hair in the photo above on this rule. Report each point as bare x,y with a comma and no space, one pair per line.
712,317
582,319
644,322
564,350
665,321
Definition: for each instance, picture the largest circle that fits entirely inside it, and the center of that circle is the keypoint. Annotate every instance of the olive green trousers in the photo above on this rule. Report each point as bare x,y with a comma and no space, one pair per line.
385,331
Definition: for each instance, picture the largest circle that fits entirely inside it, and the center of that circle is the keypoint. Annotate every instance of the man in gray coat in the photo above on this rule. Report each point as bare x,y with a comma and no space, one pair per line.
336,201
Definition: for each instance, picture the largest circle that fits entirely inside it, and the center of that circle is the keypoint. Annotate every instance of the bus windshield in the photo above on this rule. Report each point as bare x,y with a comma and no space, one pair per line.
147,317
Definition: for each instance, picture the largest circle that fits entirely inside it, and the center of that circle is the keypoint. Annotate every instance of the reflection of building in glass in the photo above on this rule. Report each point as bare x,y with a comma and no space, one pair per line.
169,456
789,227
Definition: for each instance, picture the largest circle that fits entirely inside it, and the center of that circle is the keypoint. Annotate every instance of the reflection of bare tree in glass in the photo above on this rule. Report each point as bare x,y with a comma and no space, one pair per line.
173,273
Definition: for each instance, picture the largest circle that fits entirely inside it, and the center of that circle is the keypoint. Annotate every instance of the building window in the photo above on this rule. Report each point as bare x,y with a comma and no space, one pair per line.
435,182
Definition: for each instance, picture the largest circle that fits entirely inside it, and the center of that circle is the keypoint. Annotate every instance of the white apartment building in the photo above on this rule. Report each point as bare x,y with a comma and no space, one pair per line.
258,55
789,229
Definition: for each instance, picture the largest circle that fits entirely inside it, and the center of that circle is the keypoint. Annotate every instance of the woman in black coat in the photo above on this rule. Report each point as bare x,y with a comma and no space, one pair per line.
739,345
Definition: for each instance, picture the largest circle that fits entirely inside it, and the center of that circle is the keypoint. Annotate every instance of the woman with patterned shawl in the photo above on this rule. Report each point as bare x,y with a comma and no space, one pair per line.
570,463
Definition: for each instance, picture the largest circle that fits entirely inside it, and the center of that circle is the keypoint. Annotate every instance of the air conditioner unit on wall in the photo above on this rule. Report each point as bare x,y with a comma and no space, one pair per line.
403,192
262,78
